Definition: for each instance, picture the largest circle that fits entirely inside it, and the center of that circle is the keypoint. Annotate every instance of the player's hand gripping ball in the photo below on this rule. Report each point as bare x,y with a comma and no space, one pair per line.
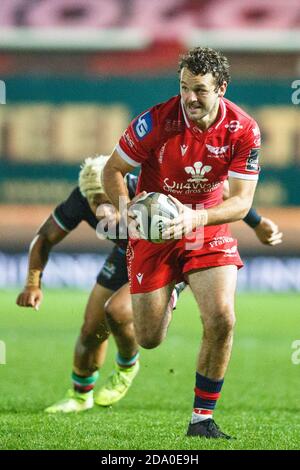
151,212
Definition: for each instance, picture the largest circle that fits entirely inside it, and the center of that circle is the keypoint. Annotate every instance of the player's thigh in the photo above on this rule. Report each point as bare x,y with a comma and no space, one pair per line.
118,307
149,308
214,290
94,317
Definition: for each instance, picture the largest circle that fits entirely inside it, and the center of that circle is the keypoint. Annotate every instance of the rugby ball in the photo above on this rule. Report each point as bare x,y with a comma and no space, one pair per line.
152,211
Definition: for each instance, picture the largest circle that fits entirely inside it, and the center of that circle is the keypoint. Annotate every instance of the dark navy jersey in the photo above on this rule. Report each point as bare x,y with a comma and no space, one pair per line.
76,209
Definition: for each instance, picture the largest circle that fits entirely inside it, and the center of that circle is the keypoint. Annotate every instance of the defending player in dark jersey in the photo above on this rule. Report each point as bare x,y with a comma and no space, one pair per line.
90,349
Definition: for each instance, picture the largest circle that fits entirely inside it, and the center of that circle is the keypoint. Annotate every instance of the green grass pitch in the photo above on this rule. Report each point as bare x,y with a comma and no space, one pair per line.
260,402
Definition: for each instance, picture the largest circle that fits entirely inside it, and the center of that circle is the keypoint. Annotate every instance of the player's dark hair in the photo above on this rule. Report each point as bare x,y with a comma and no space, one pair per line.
203,60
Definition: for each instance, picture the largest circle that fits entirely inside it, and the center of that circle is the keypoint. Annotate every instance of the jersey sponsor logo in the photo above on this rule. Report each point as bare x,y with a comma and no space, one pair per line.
198,171
252,161
234,126
195,187
183,149
143,125
139,277
217,151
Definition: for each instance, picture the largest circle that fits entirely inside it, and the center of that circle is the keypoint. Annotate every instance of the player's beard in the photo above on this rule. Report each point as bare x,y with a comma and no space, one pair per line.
198,112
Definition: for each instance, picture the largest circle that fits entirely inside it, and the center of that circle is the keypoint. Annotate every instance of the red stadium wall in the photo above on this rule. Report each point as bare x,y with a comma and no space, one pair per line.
163,18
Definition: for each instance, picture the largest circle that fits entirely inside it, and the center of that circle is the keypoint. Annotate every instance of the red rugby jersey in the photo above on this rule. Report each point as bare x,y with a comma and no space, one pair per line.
177,158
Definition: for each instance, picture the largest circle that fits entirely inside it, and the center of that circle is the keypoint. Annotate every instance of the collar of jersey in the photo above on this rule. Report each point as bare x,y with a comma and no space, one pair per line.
198,132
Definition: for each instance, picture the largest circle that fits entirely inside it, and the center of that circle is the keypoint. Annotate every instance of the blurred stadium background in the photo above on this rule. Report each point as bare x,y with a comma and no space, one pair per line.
75,73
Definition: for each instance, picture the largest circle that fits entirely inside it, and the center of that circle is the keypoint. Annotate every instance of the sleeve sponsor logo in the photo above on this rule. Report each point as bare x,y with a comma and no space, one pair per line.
128,139
143,125
252,161
256,133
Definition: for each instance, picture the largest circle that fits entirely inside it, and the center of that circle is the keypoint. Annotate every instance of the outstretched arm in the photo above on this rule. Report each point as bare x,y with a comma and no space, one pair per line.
48,235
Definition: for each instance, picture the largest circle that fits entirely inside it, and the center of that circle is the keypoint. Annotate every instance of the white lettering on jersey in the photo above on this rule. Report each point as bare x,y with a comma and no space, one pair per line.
129,139
220,241
256,133
230,251
189,188
161,153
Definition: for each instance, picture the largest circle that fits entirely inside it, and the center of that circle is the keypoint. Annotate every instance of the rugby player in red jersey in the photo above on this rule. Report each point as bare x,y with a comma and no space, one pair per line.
187,148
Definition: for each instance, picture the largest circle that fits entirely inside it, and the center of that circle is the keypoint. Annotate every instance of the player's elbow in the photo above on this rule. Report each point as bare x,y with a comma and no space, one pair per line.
244,212
106,174
226,190
41,242
109,172
244,205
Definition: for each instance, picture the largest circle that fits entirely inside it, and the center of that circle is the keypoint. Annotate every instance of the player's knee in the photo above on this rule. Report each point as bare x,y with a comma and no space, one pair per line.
117,314
221,323
149,343
91,338
112,311
146,339
226,327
